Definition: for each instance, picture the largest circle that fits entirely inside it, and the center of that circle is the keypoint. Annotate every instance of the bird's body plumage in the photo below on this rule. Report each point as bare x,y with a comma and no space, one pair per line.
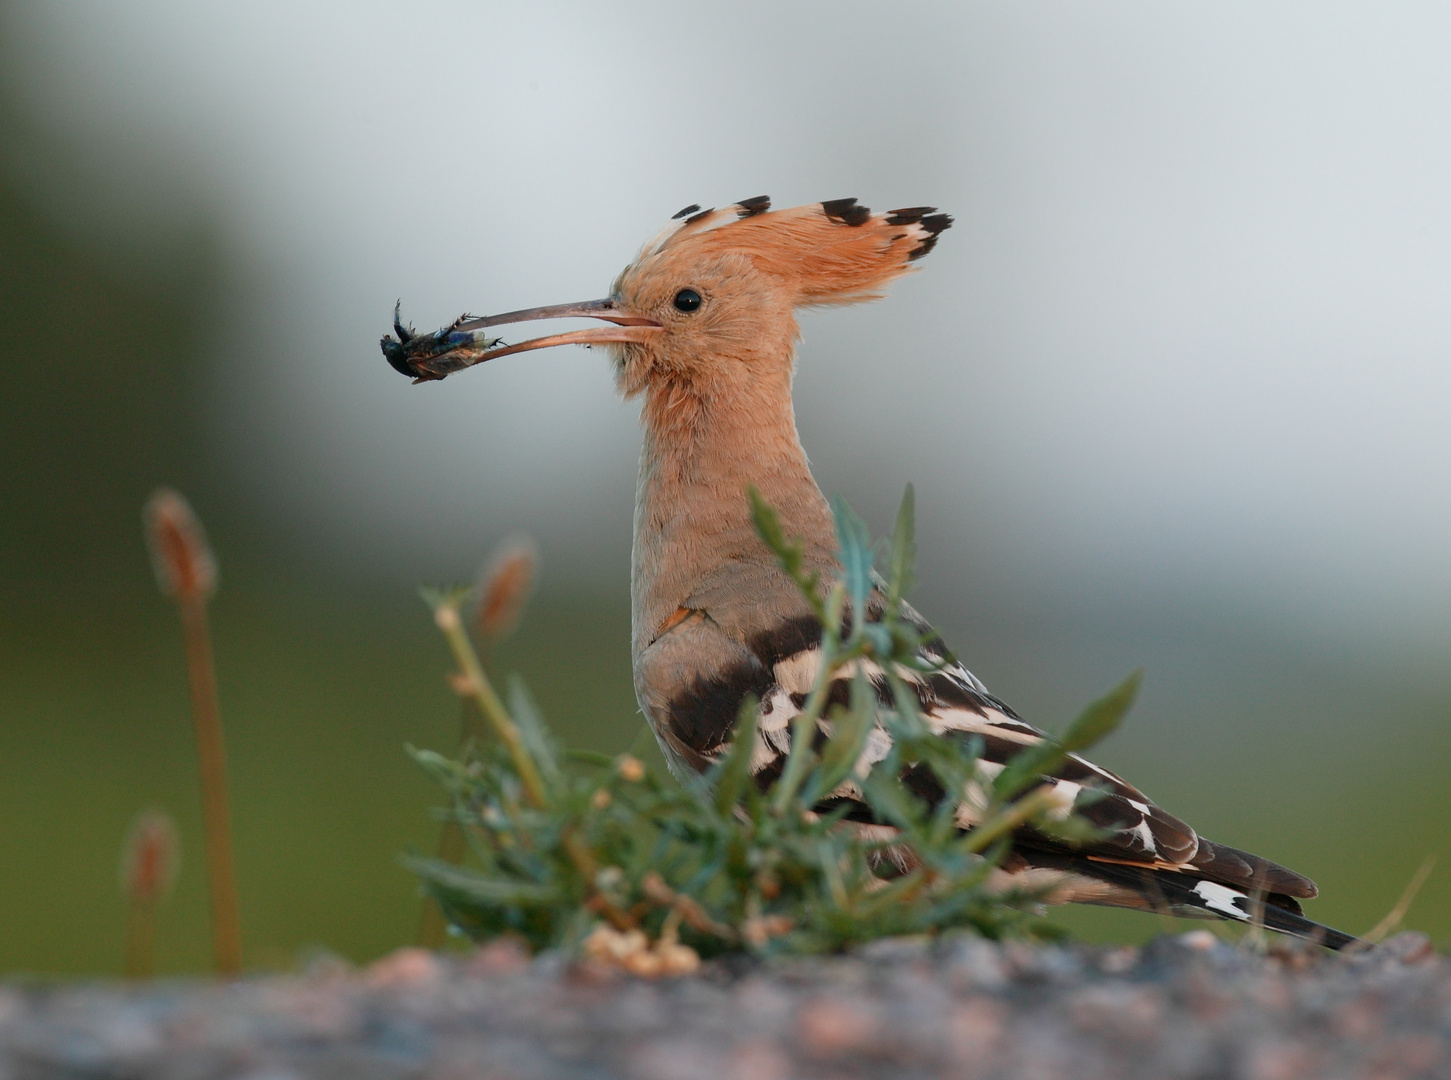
705,334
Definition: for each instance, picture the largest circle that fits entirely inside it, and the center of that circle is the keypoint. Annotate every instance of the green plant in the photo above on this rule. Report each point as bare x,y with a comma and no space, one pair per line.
576,850
502,589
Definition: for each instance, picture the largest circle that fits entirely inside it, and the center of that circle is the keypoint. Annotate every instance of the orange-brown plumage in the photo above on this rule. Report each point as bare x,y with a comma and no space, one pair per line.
813,256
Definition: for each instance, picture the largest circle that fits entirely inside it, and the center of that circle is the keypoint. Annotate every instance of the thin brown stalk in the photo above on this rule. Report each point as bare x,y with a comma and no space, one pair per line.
1009,818
1394,917
186,571
481,704
140,939
216,813
1256,939
686,907
476,687
148,869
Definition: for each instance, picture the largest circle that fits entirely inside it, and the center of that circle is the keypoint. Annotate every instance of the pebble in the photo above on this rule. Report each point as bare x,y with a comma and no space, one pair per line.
960,1008
405,968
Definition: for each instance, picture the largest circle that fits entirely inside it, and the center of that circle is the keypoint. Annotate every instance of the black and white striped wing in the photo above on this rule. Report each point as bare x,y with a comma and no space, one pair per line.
954,702
781,668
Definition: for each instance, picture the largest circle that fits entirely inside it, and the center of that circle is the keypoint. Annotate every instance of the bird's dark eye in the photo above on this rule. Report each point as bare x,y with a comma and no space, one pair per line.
687,300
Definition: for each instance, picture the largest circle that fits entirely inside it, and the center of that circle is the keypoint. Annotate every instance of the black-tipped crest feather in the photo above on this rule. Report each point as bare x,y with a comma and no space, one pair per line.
846,211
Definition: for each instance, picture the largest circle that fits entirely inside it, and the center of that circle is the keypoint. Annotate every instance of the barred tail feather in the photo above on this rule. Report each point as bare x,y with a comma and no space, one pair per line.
1174,893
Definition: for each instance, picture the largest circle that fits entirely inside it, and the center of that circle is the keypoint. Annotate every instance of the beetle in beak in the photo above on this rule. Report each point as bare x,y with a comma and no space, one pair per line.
426,357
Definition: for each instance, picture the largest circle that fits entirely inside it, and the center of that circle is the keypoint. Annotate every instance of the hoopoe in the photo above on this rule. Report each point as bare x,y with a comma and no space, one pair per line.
703,328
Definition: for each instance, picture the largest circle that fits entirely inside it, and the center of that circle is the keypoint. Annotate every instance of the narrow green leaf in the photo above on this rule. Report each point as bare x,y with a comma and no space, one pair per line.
1102,717
733,773
904,552
789,552
890,801
768,525
849,731
442,769
1096,722
801,757
534,733
493,891
854,554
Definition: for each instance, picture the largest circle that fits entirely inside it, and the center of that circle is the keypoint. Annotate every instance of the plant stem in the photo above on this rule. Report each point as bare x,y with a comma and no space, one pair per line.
482,694
140,938
803,730
1408,897
432,926
803,726
1009,818
212,762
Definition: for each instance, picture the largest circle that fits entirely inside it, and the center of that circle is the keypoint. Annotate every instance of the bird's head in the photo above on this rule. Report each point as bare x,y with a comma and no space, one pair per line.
713,297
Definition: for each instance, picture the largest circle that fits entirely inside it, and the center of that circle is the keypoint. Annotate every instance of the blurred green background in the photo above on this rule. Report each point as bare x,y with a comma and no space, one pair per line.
1268,731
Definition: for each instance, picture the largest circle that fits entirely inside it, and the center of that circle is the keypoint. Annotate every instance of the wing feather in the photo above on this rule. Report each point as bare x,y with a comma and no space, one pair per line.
1133,831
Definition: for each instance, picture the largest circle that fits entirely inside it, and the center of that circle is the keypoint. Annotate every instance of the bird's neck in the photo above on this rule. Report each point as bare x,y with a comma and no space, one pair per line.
703,449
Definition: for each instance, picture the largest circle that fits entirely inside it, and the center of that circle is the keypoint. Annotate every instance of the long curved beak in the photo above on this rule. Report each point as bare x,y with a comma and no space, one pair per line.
426,357
589,309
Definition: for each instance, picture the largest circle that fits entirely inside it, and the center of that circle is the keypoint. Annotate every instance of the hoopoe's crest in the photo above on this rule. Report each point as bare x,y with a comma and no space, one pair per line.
703,324
724,284
832,252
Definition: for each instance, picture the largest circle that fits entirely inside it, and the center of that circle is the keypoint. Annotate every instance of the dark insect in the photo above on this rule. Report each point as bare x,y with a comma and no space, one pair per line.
432,356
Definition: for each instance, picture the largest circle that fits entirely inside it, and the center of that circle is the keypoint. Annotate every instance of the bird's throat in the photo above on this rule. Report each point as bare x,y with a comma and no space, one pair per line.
702,452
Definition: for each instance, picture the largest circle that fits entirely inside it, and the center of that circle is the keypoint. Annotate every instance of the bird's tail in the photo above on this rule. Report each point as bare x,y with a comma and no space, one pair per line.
1176,893
1289,922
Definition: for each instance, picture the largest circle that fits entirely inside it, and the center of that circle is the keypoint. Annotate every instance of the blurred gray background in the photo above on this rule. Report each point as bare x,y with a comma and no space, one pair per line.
1174,392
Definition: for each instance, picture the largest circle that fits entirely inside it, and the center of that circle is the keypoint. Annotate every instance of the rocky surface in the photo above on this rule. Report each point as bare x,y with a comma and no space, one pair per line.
1188,1006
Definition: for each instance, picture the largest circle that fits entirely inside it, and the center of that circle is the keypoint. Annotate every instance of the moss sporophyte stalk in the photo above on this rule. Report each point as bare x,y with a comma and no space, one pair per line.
186,572
149,863
605,857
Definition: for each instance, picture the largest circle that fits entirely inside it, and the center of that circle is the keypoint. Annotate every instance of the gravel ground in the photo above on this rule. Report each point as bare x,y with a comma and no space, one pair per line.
1187,1006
